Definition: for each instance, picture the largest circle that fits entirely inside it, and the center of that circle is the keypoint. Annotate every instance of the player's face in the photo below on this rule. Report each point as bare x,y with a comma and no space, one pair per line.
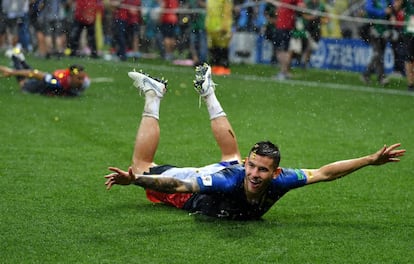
259,172
77,80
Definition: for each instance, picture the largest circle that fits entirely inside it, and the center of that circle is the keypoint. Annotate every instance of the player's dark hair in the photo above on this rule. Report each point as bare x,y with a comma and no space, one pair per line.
267,149
75,69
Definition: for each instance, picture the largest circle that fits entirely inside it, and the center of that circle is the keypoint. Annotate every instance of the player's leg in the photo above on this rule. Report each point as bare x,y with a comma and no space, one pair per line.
19,62
409,62
148,133
409,73
17,57
220,125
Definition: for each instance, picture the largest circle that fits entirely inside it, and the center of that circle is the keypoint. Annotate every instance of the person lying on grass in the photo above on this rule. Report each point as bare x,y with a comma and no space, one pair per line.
227,189
71,81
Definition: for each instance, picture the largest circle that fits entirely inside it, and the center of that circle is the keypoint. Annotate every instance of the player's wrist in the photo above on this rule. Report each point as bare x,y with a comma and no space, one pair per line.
132,178
368,160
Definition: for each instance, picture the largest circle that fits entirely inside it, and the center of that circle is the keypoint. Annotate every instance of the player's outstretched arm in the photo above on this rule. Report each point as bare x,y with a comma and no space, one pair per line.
7,72
342,168
158,183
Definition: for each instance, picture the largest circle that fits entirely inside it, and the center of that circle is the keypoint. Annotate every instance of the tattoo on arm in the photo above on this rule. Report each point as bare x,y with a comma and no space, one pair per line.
166,184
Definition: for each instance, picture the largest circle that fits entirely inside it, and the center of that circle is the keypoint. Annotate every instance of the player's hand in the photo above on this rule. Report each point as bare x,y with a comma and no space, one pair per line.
387,154
119,177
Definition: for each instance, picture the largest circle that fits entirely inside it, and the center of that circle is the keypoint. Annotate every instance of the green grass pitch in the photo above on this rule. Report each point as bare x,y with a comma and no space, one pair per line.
55,151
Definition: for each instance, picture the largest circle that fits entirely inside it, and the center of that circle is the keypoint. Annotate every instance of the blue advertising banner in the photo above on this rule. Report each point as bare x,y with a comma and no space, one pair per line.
348,55
334,54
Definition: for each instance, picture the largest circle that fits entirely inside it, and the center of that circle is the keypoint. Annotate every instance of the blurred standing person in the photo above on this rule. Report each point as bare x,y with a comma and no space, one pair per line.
219,20
126,18
183,29
298,41
408,8
285,24
2,27
250,16
198,36
168,27
35,8
50,27
270,30
84,18
377,9
313,28
152,39
16,21
134,29
397,41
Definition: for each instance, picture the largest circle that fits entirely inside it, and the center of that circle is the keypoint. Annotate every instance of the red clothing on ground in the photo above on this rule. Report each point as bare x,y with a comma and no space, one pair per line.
174,199
63,77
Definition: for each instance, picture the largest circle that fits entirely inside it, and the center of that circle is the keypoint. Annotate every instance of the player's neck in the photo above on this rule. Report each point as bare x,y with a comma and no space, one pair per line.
255,198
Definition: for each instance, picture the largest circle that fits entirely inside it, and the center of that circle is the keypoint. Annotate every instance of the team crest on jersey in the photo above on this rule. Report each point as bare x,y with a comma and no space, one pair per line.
207,180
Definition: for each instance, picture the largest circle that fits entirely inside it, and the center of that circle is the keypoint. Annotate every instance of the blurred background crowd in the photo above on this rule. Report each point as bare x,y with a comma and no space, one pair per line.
186,31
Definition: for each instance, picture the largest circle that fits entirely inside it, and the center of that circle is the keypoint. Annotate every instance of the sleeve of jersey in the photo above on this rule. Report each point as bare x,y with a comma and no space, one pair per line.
223,181
290,179
53,85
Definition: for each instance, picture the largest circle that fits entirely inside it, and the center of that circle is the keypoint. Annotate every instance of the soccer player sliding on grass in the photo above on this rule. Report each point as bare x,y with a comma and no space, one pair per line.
72,81
227,189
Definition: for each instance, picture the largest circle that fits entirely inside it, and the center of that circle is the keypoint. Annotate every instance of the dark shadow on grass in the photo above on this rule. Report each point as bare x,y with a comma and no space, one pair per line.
219,228
331,219
170,220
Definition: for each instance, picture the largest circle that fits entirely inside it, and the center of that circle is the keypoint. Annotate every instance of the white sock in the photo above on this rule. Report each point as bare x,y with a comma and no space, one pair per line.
152,105
213,106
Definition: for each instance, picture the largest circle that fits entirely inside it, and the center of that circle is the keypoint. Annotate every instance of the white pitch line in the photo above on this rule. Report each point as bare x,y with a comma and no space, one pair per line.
314,84
336,86
102,80
329,85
